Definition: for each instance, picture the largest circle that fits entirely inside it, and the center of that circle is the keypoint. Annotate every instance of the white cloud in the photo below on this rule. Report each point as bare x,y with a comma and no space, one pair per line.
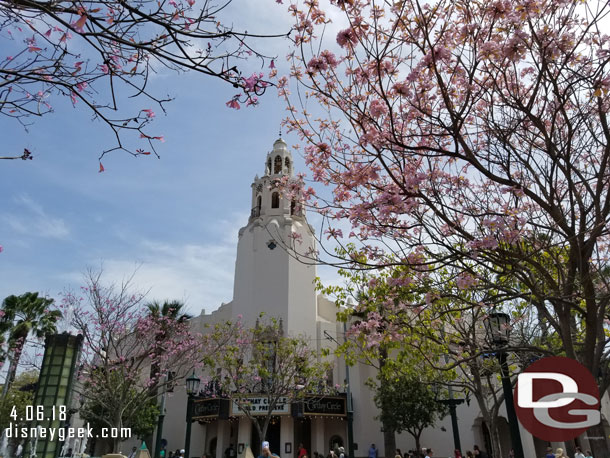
35,221
201,275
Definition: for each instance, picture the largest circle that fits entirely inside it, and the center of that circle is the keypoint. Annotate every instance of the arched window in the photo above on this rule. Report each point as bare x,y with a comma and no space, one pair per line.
259,202
275,200
269,166
293,207
287,164
335,442
277,164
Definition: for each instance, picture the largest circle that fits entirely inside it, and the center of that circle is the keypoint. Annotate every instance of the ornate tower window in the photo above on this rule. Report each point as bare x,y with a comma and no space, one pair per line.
277,165
269,166
259,201
287,164
275,200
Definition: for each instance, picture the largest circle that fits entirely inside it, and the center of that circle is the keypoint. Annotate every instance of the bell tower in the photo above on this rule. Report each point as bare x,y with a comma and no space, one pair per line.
272,271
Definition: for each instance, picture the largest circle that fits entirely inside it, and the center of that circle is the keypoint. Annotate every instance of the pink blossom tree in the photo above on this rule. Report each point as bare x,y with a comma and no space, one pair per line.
121,344
265,363
433,332
96,53
471,137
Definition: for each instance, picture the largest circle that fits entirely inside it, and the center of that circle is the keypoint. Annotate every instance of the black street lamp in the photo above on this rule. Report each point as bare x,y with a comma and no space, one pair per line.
192,387
160,419
452,403
498,335
348,393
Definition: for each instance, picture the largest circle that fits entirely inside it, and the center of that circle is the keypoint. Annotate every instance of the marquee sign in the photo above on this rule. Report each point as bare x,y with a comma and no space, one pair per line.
259,405
325,405
210,408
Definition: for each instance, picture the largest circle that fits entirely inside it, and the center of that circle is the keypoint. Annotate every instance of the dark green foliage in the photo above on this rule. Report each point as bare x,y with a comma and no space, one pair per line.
407,404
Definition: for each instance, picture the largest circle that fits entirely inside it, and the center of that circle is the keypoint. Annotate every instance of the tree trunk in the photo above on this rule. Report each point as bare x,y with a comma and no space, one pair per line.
417,446
12,369
389,443
118,423
496,444
598,441
6,386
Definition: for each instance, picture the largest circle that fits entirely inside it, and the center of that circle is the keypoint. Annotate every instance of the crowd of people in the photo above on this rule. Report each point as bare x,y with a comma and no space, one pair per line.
559,453
339,452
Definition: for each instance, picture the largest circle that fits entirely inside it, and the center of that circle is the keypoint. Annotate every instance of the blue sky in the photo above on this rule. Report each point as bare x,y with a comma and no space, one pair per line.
175,219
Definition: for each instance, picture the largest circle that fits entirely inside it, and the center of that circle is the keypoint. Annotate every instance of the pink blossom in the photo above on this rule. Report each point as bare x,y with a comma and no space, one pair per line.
378,108
347,37
317,64
233,103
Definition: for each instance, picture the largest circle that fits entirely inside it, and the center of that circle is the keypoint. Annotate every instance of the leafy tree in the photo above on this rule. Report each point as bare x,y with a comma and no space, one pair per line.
142,422
96,53
20,395
407,404
472,137
120,342
432,331
167,314
263,360
21,316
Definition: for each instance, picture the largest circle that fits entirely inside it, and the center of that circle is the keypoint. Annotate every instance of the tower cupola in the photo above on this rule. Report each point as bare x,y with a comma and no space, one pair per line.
279,160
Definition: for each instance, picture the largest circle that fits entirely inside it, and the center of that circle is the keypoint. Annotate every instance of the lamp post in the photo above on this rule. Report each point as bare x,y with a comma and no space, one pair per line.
348,393
452,403
192,387
158,443
498,333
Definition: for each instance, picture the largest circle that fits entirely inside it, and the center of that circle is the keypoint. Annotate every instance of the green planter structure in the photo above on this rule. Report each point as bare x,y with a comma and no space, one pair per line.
53,396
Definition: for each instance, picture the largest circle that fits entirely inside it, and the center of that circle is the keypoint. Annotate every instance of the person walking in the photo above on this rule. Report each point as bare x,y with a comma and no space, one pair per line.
266,452
133,452
469,454
398,453
428,453
230,452
579,453
549,453
302,451
478,453
457,453
373,451
588,453
559,453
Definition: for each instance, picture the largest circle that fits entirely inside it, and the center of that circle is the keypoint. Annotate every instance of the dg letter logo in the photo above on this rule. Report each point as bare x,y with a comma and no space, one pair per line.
557,399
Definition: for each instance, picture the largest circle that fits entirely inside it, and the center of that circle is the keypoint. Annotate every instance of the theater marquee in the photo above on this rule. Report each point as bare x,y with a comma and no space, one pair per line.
259,405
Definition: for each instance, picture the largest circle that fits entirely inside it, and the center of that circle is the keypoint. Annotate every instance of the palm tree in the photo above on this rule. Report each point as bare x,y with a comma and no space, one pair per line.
171,311
24,315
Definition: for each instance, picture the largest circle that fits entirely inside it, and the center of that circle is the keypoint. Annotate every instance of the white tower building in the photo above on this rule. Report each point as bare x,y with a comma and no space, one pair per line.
273,277
271,270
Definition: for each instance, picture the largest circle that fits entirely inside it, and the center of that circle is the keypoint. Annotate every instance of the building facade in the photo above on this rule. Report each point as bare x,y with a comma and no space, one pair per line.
273,278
